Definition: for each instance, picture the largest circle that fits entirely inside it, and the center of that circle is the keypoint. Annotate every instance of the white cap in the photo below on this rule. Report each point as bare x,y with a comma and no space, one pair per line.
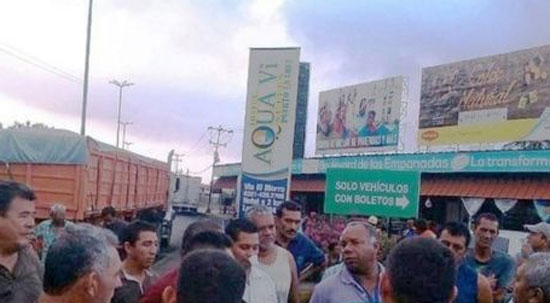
373,220
542,227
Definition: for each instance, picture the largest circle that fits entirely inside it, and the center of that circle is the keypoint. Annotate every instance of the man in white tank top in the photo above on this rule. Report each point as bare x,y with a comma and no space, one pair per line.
277,262
259,287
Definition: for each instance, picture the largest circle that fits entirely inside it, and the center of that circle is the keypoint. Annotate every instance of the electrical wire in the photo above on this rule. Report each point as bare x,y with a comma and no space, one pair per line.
21,56
33,58
227,136
202,147
202,171
194,146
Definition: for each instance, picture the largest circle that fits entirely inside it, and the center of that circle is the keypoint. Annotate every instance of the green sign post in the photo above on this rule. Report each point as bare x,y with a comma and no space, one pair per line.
372,192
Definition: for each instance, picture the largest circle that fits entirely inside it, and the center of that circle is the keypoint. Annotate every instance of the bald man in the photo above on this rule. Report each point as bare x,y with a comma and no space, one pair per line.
49,230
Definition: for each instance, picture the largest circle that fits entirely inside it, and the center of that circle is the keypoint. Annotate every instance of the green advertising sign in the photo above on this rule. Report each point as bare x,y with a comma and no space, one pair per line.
372,192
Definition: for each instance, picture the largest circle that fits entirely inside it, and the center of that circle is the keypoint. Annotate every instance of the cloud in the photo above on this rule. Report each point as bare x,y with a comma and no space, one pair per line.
188,59
350,41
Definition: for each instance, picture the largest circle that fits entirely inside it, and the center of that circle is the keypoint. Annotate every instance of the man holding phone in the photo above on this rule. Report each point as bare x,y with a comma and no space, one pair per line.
309,258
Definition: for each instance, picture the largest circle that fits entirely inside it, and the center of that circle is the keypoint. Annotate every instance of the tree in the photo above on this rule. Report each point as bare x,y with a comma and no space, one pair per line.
27,124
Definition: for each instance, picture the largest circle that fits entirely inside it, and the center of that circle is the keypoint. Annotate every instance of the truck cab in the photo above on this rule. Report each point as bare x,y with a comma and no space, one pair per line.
185,194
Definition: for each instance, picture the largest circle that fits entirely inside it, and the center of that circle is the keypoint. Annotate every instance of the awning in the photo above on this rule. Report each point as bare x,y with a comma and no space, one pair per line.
308,185
225,183
505,186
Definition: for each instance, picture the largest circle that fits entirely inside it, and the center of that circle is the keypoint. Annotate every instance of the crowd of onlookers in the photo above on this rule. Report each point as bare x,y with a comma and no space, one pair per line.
325,231
263,257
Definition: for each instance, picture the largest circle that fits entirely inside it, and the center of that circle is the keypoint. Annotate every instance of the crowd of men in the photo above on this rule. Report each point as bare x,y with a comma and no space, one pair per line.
261,258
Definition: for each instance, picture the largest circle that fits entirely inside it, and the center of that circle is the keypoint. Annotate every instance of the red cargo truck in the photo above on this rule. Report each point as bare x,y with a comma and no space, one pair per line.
82,173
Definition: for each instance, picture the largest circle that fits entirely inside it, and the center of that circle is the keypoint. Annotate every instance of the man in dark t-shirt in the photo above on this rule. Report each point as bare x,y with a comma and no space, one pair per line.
472,287
497,266
20,270
110,221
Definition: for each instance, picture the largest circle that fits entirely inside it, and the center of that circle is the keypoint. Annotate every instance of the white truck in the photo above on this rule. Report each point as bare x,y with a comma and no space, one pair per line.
185,192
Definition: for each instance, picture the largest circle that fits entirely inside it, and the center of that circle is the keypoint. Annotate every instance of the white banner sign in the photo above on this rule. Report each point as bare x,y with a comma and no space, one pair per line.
269,126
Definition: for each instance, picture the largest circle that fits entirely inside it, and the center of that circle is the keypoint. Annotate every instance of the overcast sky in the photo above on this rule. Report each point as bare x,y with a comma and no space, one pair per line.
189,59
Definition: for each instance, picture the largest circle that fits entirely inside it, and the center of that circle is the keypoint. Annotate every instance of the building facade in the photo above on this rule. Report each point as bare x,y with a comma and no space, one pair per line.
455,186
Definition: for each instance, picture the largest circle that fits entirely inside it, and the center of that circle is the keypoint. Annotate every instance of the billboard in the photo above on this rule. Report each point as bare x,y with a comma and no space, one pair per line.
269,127
498,99
360,118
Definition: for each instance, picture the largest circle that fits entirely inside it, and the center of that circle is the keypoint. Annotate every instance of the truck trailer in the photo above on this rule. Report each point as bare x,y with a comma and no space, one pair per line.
82,173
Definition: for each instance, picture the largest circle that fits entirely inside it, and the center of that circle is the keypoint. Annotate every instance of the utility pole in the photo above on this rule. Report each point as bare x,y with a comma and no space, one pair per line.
187,180
177,159
124,124
120,85
86,71
218,130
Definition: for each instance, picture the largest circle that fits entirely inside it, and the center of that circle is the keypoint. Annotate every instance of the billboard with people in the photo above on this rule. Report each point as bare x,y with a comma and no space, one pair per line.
498,99
360,118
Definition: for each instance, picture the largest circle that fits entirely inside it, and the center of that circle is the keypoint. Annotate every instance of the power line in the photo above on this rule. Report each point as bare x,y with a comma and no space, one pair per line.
227,137
17,52
202,147
21,56
198,141
202,171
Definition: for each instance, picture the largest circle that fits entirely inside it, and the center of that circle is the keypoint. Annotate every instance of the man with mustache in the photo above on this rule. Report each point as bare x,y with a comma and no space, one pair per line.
140,244
497,266
359,280
309,258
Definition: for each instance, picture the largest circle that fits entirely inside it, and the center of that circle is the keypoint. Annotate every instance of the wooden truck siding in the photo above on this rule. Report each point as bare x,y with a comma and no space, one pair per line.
120,179
52,184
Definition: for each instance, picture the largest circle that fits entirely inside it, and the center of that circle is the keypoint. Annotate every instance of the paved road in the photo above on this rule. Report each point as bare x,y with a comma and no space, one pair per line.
171,260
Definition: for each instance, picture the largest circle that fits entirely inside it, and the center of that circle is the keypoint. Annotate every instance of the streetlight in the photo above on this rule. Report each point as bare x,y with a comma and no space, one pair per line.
124,124
120,87
86,71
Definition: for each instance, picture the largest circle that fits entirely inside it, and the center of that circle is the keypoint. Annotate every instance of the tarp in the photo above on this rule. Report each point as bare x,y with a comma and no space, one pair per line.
42,145
107,148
